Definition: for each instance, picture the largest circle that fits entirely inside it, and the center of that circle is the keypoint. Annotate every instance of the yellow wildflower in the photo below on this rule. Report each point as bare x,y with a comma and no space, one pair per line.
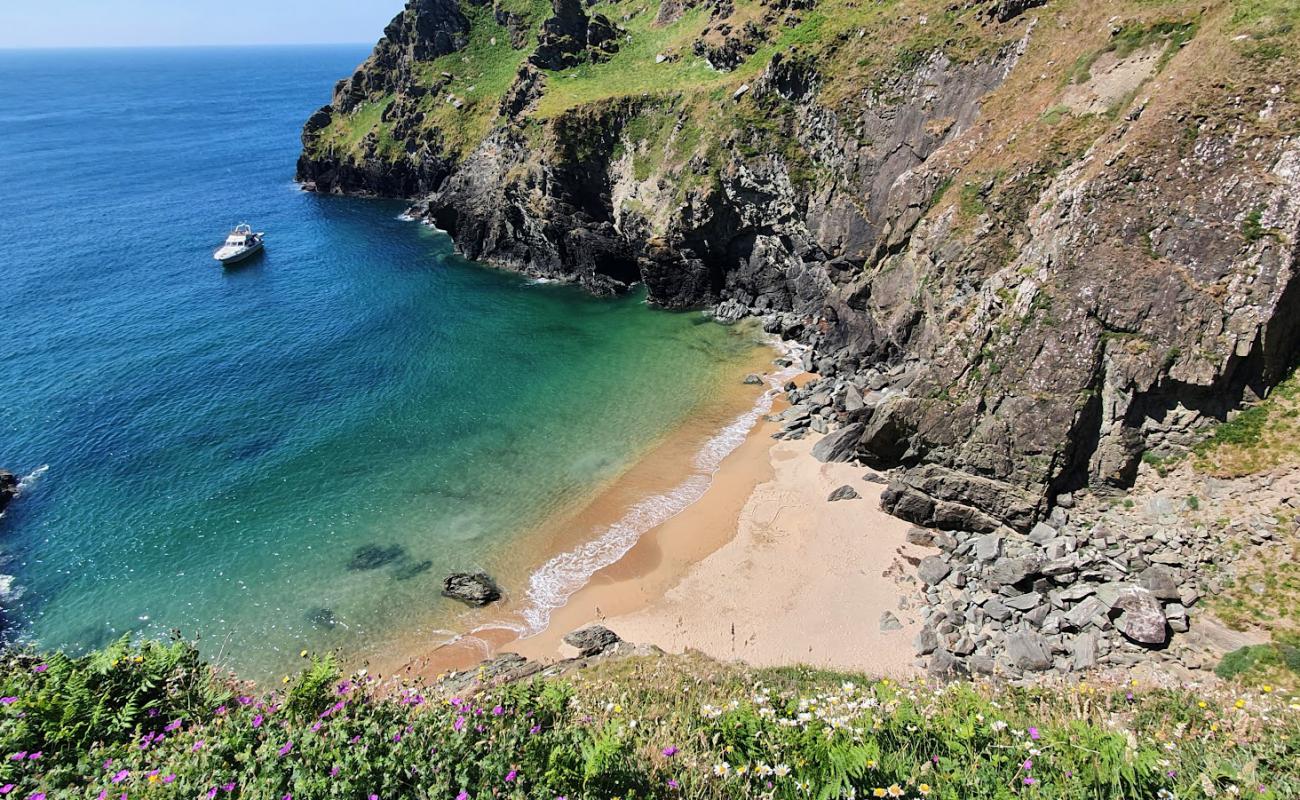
878,792
924,788
895,790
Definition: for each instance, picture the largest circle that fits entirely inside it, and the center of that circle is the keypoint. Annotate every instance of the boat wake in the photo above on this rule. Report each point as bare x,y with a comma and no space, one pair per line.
551,586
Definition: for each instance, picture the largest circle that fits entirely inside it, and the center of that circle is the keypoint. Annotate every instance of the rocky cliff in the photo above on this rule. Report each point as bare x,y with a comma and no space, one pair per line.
1030,241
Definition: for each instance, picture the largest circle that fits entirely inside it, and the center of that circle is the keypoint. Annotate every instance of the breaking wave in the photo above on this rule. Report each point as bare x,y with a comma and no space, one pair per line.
551,586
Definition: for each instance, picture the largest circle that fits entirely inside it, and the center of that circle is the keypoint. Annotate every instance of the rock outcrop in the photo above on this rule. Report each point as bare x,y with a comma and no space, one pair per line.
1008,297
471,588
8,488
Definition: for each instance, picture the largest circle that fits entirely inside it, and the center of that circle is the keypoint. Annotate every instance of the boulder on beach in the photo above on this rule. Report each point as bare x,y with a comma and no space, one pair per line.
592,640
473,588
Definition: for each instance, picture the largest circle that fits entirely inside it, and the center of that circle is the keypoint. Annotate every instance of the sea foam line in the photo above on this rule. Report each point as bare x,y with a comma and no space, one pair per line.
551,586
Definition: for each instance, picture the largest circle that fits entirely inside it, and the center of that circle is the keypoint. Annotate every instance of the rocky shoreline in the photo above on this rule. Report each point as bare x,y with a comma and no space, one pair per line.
1016,279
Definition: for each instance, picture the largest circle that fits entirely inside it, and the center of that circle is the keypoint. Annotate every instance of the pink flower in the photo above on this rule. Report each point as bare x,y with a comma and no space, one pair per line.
511,775
1030,781
198,745
40,668
34,756
8,700
459,724
229,787
36,795
1033,733
464,795
284,750
121,776
173,725
670,751
257,721
7,788
18,756
169,778
497,711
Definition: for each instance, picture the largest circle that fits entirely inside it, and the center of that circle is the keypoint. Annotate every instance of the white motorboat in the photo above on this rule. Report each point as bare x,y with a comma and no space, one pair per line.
240,244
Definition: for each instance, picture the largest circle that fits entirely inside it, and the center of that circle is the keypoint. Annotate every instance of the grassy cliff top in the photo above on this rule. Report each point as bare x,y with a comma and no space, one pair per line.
152,721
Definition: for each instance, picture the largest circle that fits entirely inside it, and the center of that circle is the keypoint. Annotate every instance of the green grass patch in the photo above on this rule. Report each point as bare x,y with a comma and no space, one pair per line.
655,727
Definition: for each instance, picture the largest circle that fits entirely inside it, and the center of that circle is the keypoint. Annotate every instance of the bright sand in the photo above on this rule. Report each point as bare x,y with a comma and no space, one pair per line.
762,568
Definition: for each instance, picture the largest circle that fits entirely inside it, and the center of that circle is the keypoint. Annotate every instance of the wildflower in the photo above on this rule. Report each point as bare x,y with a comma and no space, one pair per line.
8,700
257,720
36,796
7,788
781,770
229,787
669,751
722,769
334,772
878,792
198,745
458,725
169,778
924,788
1033,733
536,729
763,770
173,725
41,668
1028,781
464,795
998,725
895,790
284,749
672,784
511,775
497,711
18,756
121,776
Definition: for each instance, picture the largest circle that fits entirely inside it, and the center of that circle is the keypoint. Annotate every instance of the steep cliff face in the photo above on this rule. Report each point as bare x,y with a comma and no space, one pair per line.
1030,241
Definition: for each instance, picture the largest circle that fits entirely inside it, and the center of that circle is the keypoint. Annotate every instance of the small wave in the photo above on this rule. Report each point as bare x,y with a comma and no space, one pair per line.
407,216
551,586
29,480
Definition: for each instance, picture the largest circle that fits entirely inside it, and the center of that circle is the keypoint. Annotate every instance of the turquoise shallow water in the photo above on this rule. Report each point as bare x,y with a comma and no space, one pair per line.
208,449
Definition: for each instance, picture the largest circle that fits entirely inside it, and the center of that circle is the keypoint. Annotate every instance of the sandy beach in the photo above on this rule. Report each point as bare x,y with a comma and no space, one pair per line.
793,578
764,568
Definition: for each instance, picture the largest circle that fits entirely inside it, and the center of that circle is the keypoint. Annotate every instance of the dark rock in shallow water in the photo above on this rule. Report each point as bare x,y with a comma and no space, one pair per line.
844,493
753,380
322,618
474,588
374,556
8,488
592,640
411,569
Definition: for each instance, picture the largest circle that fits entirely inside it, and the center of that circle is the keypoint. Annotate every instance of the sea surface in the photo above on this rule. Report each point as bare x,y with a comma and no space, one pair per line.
293,453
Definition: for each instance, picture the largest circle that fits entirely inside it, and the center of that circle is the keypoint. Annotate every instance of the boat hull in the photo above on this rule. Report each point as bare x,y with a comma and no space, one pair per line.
240,256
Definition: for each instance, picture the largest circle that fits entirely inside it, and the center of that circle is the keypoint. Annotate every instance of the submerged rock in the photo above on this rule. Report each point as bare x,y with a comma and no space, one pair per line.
374,556
322,617
474,588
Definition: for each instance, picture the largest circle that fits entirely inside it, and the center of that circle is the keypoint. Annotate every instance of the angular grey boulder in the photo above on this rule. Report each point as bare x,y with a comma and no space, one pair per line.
1028,651
933,569
838,445
844,493
1141,617
472,588
592,640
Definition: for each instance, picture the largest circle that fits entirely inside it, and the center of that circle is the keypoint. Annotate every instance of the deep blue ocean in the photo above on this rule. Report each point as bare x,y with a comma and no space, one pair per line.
207,449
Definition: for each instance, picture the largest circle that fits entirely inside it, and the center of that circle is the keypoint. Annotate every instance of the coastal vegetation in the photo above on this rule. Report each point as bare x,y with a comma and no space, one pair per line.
151,720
